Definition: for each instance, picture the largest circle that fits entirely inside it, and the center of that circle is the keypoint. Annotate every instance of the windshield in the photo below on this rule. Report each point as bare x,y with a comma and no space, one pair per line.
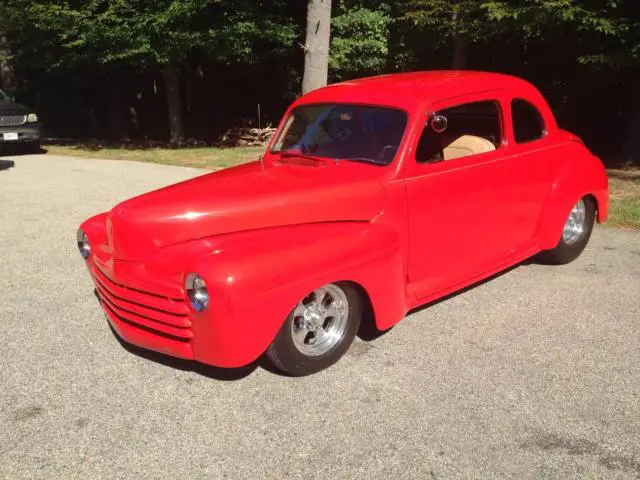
343,132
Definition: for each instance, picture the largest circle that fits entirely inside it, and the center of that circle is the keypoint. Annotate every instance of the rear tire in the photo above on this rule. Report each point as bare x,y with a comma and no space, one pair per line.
575,234
319,331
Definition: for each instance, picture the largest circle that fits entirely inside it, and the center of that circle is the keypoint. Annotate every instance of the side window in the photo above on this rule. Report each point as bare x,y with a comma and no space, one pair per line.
528,124
461,131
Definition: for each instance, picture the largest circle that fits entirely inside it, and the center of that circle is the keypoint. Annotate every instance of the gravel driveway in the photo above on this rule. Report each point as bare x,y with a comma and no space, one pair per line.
534,374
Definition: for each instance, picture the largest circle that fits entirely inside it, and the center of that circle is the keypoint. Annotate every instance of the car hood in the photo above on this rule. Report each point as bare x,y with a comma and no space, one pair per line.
246,197
11,108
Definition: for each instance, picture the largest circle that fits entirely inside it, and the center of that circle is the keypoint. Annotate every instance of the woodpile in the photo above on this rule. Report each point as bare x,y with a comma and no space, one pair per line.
247,137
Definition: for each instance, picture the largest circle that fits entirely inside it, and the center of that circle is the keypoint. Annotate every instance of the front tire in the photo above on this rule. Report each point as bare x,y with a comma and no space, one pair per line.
319,330
575,234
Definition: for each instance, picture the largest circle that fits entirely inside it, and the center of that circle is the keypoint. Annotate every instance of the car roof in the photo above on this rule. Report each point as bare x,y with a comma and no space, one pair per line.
404,90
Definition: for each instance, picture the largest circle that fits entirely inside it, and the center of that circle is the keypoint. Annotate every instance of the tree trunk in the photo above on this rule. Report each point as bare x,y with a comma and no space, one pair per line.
460,41
316,48
171,77
8,78
632,144
460,51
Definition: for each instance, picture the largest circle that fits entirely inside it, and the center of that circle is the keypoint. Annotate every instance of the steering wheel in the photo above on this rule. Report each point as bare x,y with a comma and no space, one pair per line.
387,153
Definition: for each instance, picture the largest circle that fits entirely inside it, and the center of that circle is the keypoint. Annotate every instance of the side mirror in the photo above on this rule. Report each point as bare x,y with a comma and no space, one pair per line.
438,123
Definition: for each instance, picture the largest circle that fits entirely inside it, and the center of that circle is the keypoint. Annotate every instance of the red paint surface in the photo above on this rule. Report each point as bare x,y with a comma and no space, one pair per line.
264,235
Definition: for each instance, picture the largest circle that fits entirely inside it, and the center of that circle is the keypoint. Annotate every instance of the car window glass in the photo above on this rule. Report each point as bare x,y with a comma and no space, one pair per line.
471,129
361,133
528,124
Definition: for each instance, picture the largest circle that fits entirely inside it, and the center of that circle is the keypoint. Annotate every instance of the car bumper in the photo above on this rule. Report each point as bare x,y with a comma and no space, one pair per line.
26,133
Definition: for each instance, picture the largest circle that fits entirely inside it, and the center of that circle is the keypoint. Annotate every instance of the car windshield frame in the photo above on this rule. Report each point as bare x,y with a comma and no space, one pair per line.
331,106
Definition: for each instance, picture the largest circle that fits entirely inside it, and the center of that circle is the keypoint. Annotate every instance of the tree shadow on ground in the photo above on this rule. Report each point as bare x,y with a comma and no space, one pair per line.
20,149
6,164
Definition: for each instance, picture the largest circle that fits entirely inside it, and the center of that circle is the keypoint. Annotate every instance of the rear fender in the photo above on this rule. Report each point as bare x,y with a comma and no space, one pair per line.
580,174
256,278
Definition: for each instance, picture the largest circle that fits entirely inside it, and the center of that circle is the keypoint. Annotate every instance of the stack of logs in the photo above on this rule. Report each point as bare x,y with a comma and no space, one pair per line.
247,137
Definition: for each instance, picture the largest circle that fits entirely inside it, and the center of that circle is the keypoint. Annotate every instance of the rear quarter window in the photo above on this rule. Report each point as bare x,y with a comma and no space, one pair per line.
528,124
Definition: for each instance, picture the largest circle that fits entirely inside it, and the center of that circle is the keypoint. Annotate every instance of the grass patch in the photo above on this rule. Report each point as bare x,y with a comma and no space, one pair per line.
624,184
624,190
199,157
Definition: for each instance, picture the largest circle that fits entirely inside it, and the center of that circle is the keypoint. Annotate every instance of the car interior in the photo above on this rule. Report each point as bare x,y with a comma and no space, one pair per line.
471,129
467,145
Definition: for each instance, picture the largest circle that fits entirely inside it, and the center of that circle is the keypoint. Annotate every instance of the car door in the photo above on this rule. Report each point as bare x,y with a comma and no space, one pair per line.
532,161
464,214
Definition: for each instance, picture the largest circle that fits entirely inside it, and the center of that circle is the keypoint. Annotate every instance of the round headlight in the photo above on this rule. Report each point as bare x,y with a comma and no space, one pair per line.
83,244
197,292
32,118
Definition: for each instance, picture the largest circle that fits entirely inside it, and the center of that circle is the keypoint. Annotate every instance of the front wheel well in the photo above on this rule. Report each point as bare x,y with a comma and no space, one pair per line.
368,328
592,198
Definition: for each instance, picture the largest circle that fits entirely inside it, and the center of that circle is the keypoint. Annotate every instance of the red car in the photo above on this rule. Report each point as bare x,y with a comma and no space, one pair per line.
374,196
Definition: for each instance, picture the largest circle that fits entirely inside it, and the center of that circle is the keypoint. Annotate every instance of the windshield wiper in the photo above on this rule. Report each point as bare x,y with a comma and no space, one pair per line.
297,153
370,161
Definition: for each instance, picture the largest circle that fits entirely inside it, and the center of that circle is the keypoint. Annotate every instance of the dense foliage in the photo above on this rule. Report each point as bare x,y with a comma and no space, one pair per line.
140,68
360,43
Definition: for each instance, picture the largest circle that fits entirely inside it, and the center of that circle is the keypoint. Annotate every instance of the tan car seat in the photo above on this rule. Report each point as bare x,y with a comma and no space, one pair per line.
467,145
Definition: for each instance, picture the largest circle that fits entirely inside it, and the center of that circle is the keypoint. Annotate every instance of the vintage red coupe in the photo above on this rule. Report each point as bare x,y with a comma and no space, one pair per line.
374,196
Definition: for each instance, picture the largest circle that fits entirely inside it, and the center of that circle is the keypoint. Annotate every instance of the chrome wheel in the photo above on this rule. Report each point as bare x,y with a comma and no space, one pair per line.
320,320
574,226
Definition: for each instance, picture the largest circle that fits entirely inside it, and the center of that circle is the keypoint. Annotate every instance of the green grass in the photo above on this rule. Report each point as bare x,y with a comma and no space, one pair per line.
624,189
624,184
199,157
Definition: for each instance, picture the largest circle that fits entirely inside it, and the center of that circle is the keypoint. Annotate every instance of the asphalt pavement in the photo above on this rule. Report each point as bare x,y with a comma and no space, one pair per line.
533,374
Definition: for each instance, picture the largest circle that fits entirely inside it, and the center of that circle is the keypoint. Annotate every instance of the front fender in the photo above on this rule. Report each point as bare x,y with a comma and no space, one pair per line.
579,174
95,229
256,278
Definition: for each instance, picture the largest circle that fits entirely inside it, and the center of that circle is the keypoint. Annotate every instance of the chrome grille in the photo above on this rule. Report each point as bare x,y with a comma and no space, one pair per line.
12,120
